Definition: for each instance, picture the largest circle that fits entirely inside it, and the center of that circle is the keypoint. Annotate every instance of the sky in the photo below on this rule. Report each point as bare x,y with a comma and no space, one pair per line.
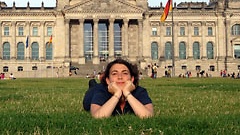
52,3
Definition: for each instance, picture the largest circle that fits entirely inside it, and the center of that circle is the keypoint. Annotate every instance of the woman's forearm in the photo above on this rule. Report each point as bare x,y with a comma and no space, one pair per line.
142,111
105,110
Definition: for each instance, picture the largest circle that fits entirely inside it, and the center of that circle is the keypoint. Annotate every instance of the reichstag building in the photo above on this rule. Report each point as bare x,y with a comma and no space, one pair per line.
47,41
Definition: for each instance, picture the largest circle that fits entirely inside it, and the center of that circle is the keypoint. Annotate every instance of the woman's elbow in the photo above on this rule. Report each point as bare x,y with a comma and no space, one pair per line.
98,116
145,116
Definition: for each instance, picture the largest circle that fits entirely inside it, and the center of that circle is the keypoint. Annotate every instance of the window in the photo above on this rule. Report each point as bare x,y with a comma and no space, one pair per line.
6,51
168,31
154,31
20,51
20,68
103,46
210,50
168,51
182,31
49,51
212,68
196,50
236,29
35,31
198,68
34,68
49,31
20,31
184,67
117,40
6,31
237,51
182,50
35,51
210,31
154,51
88,41
196,31
5,69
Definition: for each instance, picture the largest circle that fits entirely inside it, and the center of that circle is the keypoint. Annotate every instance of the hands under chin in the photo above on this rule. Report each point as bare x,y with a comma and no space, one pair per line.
128,87
113,88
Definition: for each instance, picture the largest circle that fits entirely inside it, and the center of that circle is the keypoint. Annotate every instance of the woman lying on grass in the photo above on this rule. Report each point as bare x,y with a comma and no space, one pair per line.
119,93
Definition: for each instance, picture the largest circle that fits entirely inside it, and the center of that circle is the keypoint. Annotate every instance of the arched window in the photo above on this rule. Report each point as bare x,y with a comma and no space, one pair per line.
34,67
154,51
6,51
237,51
20,51
5,69
198,68
210,54
236,29
168,50
196,50
35,51
182,50
20,68
184,67
49,51
212,68
49,67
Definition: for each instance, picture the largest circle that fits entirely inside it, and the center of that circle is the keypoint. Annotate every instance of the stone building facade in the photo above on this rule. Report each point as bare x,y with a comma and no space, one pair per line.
46,41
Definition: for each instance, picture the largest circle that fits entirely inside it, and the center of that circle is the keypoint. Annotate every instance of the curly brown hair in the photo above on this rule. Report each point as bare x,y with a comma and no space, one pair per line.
132,68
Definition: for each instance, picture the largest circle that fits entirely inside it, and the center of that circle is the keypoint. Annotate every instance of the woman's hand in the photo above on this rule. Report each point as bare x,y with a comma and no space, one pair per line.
128,88
113,88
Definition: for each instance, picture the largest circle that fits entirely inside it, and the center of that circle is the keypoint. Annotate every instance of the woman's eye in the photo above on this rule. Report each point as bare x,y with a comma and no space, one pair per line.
125,73
114,73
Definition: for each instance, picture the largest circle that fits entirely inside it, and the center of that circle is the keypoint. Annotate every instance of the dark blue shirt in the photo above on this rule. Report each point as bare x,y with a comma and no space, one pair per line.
101,96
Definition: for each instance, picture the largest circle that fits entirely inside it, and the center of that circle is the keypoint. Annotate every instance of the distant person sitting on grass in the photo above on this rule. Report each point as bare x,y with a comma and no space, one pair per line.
118,93
11,76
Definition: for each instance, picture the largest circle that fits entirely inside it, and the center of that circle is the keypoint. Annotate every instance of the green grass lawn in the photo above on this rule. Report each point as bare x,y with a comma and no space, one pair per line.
182,106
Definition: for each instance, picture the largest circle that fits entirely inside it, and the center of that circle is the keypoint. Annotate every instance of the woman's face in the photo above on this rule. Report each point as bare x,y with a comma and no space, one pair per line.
119,73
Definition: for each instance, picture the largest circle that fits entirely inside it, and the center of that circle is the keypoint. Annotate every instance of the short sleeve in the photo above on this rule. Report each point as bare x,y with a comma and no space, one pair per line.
101,95
142,95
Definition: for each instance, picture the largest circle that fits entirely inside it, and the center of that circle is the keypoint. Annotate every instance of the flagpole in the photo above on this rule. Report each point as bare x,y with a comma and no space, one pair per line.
173,55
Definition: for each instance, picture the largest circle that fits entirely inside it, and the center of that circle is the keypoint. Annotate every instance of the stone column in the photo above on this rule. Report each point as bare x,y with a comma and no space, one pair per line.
67,36
203,47
111,38
81,42
13,45
140,39
190,43
175,40
95,41
125,38
42,41
229,47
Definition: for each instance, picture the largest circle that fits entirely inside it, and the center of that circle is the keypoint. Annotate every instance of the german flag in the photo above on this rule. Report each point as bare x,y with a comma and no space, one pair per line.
167,8
50,41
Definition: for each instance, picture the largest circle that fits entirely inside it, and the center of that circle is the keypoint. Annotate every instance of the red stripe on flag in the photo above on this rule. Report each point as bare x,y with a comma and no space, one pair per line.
50,41
167,8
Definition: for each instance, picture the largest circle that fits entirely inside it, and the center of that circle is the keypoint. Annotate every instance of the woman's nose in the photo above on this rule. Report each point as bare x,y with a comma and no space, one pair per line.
120,76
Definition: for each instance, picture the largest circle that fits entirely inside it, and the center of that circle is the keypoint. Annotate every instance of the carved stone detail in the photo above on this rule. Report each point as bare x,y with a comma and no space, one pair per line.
103,6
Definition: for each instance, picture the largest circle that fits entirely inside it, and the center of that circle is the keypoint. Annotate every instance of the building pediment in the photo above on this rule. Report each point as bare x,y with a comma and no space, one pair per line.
103,6
236,40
